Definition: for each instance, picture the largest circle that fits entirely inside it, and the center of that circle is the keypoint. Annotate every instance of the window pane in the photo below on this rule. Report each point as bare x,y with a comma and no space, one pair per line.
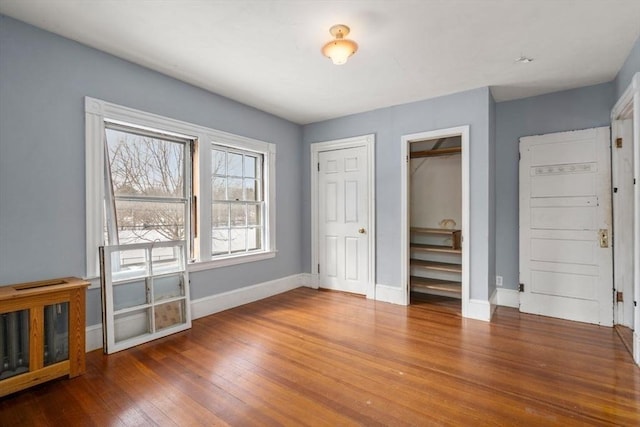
254,239
168,287
235,164
131,324
169,314
251,189
219,188
220,215
145,166
128,264
238,239
218,162
238,215
235,189
130,294
219,242
167,259
250,166
149,221
253,214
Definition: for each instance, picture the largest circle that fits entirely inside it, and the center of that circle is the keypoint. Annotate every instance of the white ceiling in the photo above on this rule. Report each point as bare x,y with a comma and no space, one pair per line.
266,53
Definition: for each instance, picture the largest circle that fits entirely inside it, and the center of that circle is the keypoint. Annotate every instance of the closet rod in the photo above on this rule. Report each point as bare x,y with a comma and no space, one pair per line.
438,152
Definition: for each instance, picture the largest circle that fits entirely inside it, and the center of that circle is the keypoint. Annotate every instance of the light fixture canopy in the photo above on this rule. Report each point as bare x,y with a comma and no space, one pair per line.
340,49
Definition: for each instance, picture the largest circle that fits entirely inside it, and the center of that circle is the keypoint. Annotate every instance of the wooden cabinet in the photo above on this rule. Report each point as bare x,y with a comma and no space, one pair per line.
42,332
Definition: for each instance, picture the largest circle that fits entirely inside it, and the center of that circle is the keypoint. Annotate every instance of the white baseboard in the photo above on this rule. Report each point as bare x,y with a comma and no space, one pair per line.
226,300
508,297
636,347
479,310
392,294
309,280
93,340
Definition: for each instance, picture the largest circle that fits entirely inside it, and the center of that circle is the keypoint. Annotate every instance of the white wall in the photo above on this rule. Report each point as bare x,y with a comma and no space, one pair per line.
436,186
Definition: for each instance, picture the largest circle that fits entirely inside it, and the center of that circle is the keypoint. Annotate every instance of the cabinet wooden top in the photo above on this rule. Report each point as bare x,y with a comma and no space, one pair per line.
28,289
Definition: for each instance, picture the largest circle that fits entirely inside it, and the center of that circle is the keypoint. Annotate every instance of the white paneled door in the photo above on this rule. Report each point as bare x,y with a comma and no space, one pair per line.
565,226
343,221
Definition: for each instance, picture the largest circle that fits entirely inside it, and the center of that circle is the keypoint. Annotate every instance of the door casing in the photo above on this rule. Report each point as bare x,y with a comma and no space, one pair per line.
368,141
629,106
463,132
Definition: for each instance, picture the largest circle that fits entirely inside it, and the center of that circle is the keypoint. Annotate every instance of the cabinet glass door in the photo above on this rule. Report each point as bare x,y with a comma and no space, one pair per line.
14,343
56,333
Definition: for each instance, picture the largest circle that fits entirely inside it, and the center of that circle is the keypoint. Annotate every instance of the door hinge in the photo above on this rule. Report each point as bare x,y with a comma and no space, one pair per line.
519,155
318,166
618,142
521,287
318,268
619,296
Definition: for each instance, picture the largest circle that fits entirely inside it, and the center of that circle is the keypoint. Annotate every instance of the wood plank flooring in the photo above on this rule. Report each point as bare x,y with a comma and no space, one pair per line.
318,358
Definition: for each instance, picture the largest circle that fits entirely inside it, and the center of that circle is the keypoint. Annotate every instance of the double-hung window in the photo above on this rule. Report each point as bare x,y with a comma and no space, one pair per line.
151,178
237,203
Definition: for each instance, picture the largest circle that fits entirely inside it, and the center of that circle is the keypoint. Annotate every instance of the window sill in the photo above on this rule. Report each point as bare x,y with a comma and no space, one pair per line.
230,260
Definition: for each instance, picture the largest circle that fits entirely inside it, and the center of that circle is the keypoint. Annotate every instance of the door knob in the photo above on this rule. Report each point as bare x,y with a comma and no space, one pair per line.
362,230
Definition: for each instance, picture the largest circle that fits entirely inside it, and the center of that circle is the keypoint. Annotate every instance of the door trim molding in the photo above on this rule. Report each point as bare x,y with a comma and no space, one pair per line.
367,141
463,132
629,105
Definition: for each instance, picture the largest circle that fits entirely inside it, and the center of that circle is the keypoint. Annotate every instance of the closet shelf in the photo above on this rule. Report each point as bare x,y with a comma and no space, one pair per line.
436,152
455,234
435,248
425,284
436,266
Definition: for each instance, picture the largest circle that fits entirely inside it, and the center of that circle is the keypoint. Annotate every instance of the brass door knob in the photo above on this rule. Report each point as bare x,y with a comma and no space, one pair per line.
362,230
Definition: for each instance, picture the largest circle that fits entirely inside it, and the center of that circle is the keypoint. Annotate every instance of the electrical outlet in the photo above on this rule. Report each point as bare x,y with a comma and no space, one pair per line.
499,281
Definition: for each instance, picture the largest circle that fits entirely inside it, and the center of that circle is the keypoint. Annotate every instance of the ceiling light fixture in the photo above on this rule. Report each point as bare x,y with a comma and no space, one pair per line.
340,49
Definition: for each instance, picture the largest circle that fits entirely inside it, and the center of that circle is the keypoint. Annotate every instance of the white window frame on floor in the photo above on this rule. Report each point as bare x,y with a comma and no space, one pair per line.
98,111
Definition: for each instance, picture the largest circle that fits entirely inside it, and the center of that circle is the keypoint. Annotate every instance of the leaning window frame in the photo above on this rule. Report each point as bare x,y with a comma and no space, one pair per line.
97,111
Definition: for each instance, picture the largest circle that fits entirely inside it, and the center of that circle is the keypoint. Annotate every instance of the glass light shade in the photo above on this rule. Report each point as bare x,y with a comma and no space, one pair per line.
339,50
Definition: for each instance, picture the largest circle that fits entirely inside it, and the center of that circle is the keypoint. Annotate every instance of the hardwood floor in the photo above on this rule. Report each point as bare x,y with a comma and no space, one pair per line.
324,358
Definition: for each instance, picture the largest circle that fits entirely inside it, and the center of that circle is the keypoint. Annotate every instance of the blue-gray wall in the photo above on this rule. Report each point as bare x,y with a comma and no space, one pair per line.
43,81
389,124
581,108
630,67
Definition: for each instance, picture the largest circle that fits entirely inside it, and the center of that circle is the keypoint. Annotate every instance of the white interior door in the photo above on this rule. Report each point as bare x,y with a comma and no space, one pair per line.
565,224
343,220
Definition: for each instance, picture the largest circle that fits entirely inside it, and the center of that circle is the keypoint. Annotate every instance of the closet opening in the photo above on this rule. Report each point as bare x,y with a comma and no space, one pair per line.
435,200
436,218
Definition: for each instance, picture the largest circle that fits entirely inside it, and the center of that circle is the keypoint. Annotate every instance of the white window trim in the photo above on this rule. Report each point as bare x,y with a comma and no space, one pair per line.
97,111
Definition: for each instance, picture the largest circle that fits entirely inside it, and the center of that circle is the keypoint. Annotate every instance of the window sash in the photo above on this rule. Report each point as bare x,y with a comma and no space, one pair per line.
114,225
222,232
